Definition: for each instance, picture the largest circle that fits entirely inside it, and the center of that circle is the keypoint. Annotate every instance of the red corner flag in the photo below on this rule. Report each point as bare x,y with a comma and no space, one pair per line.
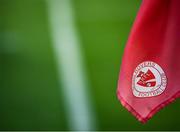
150,73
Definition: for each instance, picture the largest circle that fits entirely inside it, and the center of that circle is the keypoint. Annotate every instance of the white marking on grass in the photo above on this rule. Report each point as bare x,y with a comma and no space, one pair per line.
71,70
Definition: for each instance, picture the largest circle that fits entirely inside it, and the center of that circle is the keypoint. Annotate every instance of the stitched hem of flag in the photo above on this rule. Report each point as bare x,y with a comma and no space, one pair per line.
155,110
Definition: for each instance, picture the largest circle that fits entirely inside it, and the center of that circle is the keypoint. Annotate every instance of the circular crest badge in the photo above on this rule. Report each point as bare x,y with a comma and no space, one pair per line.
148,80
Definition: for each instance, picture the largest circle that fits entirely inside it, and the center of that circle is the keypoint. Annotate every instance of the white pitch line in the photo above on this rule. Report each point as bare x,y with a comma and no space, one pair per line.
79,109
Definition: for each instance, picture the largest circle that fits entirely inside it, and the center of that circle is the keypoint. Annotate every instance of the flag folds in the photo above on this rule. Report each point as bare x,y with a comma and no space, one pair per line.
150,72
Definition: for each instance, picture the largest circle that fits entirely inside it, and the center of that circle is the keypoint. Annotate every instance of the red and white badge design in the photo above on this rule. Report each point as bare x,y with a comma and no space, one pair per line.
148,80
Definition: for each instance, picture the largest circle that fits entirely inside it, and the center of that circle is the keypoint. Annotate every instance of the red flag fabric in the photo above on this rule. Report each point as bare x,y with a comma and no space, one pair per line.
150,72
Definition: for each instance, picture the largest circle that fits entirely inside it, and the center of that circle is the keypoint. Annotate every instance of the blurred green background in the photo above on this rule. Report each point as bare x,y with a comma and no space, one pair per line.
32,91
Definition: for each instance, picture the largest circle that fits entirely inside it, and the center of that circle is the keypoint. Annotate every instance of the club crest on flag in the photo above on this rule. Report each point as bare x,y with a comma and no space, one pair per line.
148,80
